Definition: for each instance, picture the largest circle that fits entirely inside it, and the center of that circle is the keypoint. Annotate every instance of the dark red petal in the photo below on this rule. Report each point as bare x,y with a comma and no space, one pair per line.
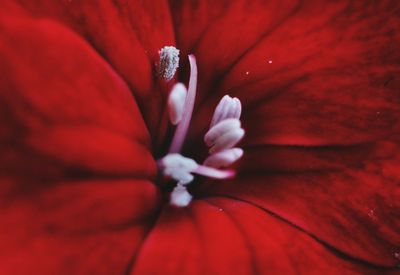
219,33
333,74
322,118
223,236
66,118
74,227
128,35
62,102
346,197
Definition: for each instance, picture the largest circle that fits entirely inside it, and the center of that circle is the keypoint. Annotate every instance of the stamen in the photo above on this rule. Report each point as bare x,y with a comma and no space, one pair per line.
176,103
224,158
220,129
214,173
228,107
169,62
181,130
180,197
224,133
227,140
178,167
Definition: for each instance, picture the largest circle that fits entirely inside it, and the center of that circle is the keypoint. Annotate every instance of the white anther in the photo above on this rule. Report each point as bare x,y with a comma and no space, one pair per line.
224,158
179,168
228,107
176,103
169,62
220,129
180,197
227,140
238,108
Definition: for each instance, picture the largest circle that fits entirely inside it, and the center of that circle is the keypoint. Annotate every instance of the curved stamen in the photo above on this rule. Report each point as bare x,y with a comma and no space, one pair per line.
181,130
224,133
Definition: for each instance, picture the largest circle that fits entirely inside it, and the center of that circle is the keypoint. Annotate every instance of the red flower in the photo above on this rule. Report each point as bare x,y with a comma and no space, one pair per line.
83,120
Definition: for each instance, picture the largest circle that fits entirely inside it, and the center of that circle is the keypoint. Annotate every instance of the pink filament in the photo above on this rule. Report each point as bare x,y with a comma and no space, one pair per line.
183,126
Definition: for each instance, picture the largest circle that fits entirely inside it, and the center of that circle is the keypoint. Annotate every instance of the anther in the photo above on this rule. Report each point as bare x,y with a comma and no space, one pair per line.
178,167
227,140
169,62
228,107
221,128
180,197
176,103
224,158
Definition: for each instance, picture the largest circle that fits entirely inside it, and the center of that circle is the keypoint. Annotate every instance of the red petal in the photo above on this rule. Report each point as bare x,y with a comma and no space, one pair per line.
322,118
128,35
74,227
64,104
66,118
346,197
219,33
332,71
222,236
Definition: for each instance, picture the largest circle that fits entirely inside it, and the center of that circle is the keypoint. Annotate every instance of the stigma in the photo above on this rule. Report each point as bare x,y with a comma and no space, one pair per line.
223,135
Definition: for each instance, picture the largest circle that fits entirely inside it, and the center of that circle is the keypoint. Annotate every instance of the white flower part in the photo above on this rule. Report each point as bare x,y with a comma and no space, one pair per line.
224,158
180,197
179,168
221,128
169,62
227,140
176,103
228,107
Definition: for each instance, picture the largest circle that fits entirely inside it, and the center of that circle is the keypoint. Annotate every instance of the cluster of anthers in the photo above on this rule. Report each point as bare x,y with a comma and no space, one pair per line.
224,133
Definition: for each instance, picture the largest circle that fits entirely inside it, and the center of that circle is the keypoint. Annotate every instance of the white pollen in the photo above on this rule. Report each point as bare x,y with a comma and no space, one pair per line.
179,168
169,62
180,197
270,61
176,103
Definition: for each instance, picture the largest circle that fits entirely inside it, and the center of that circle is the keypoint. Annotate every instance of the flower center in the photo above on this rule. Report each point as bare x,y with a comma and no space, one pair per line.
224,133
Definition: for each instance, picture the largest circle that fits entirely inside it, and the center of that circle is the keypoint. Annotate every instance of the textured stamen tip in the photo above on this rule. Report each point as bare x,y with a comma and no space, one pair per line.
176,103
169,62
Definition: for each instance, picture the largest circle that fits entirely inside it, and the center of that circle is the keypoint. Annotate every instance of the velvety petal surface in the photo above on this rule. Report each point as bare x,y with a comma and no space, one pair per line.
320,94
225,236
317,189
76,170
